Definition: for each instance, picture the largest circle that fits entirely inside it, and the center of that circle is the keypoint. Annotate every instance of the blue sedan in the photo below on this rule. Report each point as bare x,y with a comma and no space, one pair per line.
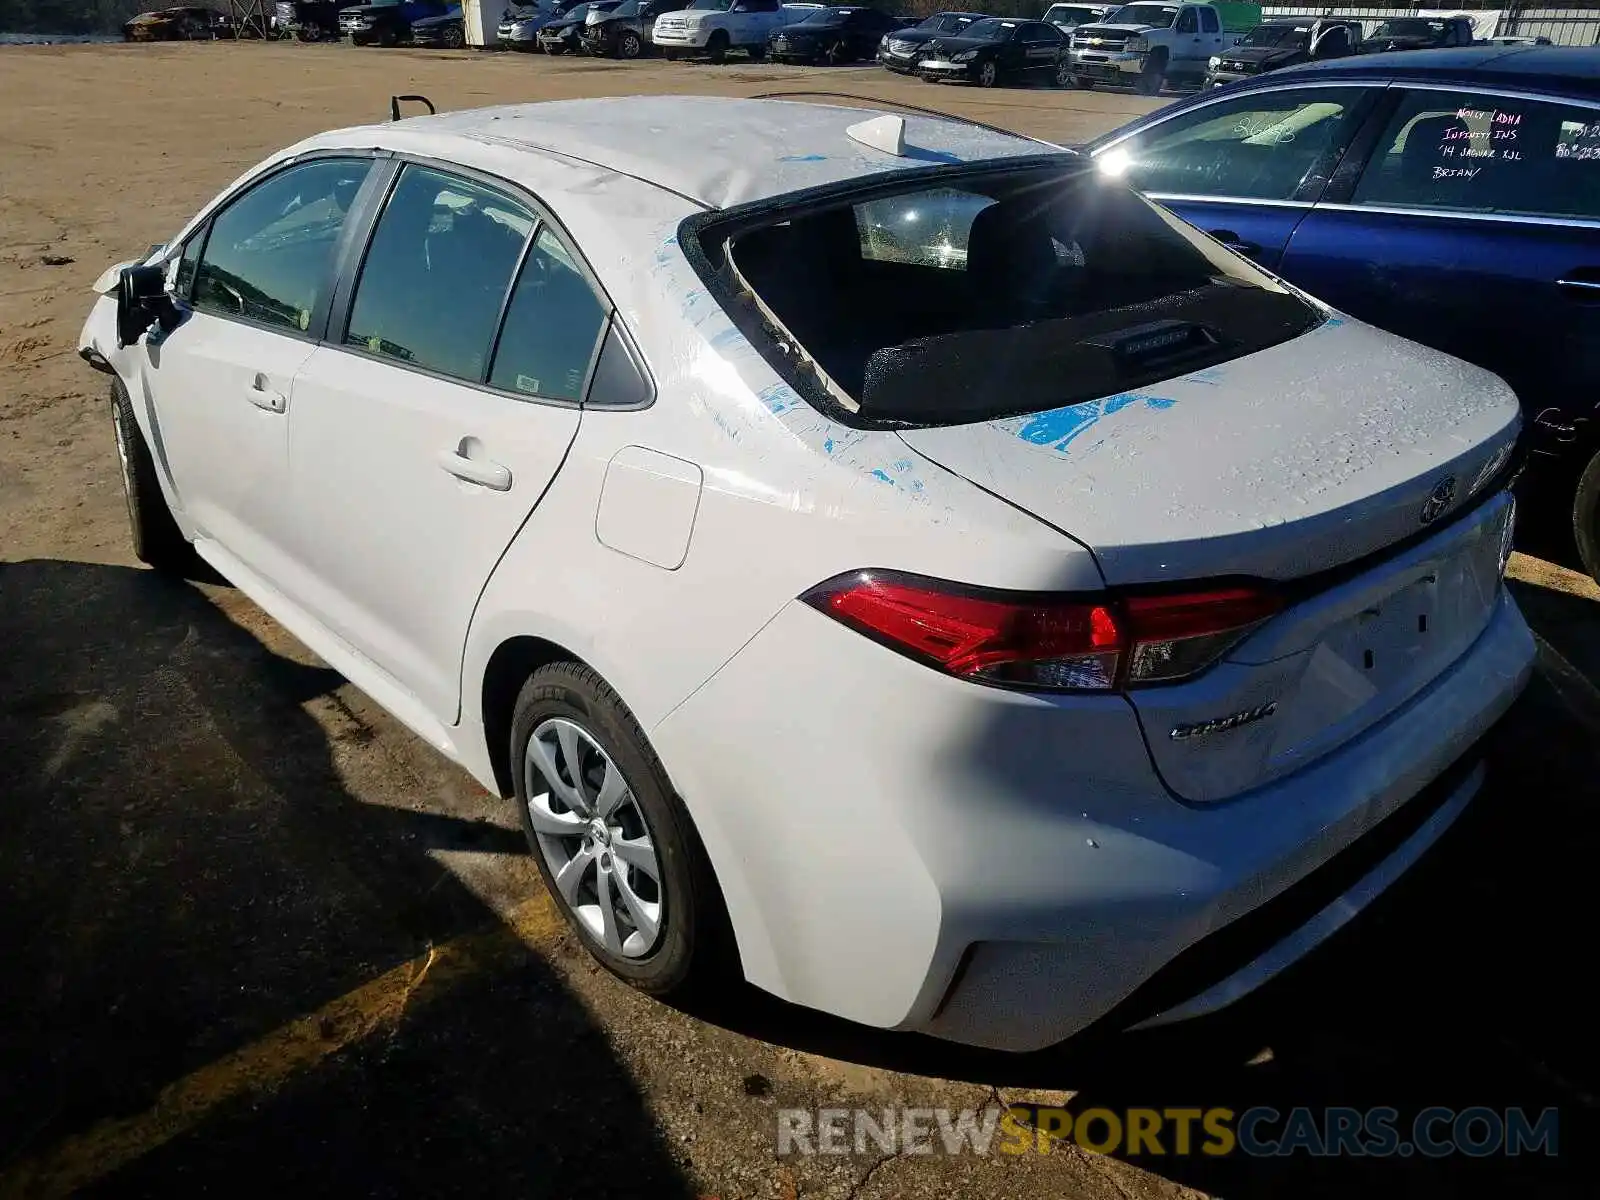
1452,196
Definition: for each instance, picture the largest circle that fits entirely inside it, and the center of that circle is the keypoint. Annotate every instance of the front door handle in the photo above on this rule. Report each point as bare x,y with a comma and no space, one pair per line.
1233,242
484,473
262,395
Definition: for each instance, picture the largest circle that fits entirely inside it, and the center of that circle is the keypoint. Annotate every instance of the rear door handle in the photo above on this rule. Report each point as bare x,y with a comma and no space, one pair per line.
261,394
1232,241
1587,289
492,475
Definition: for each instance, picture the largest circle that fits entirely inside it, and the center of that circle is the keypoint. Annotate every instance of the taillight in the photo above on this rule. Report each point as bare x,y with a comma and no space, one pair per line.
1026,640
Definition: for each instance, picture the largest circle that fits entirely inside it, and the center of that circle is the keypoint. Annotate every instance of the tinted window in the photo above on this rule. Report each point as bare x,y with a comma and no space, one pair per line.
270,254
991,29
436,273
1160,16
1187,22
1259,146
551,328
1208,21
1461,152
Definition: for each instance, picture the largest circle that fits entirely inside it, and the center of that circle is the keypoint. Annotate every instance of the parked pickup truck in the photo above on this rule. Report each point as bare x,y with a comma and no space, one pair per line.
713,27
1148,43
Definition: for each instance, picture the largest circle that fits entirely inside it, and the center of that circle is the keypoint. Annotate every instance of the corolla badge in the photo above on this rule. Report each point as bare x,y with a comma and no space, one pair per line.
1182,733
1441,498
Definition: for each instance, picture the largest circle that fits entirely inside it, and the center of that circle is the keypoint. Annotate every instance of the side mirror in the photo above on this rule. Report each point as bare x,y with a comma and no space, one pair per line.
142,299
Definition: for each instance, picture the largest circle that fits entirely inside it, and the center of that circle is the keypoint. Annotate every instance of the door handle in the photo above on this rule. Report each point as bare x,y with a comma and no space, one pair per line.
1588,289
1233,242
492,475
261,394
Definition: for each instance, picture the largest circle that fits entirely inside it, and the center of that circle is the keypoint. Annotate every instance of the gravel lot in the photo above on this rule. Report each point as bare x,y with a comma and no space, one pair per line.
261,938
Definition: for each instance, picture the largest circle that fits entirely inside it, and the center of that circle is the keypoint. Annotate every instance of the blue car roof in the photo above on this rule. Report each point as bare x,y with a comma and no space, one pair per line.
1572,70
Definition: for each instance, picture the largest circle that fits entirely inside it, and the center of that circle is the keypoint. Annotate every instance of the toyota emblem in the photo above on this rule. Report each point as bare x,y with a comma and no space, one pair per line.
1440,499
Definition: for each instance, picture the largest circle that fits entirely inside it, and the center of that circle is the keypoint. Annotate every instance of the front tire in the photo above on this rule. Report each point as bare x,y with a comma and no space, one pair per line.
717,47
1586,517
454,39
630,45
612,841
988,74
157,540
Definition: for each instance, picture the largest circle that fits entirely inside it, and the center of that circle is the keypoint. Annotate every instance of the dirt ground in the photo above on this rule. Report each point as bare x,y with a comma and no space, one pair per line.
258,937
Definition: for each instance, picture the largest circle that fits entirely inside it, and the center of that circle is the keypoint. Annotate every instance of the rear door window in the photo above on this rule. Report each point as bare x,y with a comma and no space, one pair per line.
1477,152
437,272
1263,146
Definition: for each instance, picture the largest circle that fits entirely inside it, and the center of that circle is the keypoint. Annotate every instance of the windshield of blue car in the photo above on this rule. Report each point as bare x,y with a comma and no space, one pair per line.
1276,35
1408,27
1157,16
990,29
987,293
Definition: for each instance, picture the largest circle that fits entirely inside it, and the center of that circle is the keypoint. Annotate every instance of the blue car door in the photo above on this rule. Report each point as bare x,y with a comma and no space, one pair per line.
1244,167
1471,223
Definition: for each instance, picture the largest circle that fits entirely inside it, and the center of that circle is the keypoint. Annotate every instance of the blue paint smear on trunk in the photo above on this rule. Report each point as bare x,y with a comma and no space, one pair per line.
1060,427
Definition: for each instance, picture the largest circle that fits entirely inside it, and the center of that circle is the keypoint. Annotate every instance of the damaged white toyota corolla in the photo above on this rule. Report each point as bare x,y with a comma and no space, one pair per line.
993,605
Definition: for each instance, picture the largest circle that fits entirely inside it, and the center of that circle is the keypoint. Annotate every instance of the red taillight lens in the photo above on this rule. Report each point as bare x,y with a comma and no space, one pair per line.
1065,644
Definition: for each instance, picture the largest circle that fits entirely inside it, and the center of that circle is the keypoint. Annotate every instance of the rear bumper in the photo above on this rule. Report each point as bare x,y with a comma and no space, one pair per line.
1006,870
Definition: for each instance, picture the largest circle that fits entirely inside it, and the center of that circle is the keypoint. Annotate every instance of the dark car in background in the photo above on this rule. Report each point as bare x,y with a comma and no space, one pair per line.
624,31
1450,196
520,23
834,35
996,50
564,34
1419,33
388,22
901,48
449,30
307,20
1284,42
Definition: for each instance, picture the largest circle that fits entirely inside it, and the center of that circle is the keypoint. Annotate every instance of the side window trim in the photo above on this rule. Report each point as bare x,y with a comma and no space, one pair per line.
356,238
505,300
203,228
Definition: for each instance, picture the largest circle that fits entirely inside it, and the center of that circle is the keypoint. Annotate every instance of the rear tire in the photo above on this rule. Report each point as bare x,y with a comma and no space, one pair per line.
454,39
1064,77
576,716
717,47
1586,517
157,540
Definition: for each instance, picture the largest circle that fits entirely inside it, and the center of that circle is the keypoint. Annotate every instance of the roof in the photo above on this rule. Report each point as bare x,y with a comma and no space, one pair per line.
715,151
1574,70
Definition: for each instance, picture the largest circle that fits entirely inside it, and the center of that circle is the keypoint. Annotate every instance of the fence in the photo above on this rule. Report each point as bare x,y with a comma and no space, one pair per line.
1563,26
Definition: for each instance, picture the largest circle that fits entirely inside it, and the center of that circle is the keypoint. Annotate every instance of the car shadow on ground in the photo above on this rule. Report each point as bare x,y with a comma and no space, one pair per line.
186,873
1466,984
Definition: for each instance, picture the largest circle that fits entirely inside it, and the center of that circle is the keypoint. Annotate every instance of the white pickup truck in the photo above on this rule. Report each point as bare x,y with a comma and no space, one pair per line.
1149,42
713,27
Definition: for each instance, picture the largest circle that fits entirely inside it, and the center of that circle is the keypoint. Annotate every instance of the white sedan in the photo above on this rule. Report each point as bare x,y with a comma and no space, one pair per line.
883,557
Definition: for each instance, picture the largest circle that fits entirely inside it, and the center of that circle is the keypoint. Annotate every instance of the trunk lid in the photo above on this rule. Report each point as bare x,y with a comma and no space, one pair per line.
1293,460
1279,466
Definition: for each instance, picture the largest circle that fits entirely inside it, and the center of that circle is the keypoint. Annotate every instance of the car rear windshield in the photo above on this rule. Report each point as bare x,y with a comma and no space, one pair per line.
984,293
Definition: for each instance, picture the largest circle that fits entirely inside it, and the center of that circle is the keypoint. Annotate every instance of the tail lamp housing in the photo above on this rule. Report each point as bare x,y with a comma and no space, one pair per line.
1041,641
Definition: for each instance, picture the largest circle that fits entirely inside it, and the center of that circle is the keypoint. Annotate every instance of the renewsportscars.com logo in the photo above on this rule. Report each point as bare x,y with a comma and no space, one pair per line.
1136,1132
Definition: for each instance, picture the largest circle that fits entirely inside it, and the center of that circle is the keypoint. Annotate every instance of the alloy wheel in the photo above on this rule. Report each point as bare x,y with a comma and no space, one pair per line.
987,74
596,843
